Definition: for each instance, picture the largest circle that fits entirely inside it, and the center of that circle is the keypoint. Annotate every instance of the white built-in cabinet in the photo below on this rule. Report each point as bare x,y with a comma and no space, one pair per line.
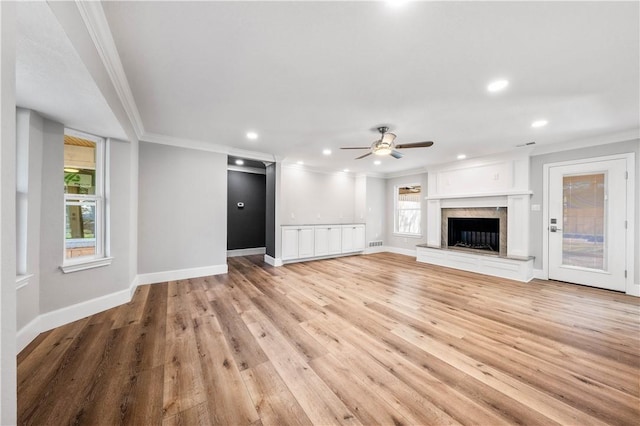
311,241
328,240
352,238
297,242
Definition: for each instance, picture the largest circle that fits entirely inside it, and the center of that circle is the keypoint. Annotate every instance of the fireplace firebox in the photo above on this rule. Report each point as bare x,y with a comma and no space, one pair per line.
474,233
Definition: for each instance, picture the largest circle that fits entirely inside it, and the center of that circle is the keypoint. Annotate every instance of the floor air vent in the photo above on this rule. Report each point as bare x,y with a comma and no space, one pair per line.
375,243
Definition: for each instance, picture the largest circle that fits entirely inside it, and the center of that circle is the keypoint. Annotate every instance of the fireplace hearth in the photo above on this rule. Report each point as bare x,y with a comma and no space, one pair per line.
474,233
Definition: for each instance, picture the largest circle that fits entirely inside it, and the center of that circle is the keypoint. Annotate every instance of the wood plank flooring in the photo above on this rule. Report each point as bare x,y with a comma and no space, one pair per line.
376,339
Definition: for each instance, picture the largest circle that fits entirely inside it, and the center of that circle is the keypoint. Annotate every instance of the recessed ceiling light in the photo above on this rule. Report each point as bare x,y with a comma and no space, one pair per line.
326,151
346,170
377,162
239,162
539,123
252,135
461,157
300,163
498,85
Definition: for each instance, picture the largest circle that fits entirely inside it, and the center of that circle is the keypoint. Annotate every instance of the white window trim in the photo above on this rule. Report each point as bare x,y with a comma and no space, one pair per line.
102,256
395,212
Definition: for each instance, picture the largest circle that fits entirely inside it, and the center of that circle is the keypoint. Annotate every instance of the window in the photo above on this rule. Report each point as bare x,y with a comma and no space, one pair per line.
407,210
84,201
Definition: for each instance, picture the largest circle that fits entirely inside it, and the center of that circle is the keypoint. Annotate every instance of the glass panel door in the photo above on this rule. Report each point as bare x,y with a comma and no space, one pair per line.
586,223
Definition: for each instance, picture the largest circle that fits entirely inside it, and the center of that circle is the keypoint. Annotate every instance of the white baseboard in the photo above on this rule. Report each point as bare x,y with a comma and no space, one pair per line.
133,286
540,274
634,290
26,334
398,250
272,260
84,309
246,252
376,249
181,274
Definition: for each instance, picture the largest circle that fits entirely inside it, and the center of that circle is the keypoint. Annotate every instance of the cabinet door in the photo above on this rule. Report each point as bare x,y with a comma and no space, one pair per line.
321,241
289,243
305,242
347,238
335,240
358,238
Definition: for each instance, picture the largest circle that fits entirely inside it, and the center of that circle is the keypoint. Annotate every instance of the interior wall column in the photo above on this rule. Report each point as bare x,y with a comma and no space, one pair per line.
8,398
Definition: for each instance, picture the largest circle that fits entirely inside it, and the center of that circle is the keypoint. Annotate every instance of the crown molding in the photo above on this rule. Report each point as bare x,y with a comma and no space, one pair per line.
624,136
402,173
97,25
318,170
206,146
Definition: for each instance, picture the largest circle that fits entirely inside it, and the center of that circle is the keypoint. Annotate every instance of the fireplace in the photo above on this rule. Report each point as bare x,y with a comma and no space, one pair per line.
481,229
474,233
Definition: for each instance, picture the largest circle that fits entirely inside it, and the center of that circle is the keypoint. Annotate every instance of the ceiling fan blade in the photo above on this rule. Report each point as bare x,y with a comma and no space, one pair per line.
356,147
365,155
415,145
395,154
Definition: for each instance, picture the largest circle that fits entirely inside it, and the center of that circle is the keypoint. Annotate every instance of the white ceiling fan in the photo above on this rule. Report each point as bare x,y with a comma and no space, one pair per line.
386,145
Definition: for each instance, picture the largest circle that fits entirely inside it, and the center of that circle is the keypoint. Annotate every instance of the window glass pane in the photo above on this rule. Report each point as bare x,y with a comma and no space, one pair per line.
79,165
408,213
409,221
80,236
583,237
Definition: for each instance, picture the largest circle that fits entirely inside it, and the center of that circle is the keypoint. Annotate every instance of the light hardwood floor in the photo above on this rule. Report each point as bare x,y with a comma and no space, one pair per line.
376,339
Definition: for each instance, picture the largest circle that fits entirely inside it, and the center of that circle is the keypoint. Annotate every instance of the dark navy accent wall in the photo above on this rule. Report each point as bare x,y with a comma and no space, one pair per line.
245,225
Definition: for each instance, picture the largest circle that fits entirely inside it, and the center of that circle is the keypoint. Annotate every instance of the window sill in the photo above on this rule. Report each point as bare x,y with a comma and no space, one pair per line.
396,234
22,280
86,264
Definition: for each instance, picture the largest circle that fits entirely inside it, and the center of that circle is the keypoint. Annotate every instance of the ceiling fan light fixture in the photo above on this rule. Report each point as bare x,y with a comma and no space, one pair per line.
382,150
388,138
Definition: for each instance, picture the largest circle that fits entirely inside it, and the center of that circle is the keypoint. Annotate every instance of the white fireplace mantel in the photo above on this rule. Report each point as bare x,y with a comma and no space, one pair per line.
501,181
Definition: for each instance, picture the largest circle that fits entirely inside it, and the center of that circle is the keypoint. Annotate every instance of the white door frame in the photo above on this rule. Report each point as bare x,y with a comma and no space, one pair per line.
630,193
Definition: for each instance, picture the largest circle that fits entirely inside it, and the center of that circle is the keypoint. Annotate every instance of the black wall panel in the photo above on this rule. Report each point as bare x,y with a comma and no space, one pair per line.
245,225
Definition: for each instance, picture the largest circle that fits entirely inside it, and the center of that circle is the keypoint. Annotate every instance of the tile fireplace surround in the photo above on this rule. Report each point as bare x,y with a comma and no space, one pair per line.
478,212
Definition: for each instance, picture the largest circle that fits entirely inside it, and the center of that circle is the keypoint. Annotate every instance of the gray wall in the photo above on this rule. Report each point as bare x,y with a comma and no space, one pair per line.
182,208
400,241
270,226
246,225
29,131
310,197
536,180
58,290
376,208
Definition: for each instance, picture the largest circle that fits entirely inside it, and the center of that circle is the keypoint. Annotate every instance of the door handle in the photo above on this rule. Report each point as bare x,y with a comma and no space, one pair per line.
554,228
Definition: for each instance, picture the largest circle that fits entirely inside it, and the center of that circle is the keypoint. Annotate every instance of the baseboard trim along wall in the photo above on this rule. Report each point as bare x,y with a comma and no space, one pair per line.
375,249
539,274
66,315
272,260
181,274
634,290
398,250
27,333
246,252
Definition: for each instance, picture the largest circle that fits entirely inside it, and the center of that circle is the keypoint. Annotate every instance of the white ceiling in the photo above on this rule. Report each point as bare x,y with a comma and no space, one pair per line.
51,78
314,75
